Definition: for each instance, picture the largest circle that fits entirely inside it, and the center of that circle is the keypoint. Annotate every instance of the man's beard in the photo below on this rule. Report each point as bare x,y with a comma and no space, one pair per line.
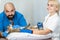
10,17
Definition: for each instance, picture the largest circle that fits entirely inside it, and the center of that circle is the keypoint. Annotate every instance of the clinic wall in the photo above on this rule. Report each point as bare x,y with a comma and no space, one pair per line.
39,10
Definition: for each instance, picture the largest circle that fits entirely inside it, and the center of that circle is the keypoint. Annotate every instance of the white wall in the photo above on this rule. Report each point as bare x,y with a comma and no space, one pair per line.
39,10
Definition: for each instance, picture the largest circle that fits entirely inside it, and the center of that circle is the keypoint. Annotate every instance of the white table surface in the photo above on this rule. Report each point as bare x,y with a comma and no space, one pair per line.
27,36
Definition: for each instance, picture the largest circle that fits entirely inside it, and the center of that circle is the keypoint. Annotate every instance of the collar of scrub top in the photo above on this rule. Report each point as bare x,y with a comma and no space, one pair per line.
52,15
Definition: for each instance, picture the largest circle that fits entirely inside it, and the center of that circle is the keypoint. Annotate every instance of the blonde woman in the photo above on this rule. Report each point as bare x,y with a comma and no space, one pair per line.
51,20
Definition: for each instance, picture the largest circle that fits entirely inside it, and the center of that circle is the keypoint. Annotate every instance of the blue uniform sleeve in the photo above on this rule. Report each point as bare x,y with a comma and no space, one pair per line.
22,21
1,23
4,34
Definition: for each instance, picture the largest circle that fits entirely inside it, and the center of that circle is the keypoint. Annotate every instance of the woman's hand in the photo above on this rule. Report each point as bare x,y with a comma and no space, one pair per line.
41,32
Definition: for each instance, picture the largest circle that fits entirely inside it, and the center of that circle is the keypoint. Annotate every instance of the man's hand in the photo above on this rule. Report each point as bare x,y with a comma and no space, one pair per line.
16,30
10,29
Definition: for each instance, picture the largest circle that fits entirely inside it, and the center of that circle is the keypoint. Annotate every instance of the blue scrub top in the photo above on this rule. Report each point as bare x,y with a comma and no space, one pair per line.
18,20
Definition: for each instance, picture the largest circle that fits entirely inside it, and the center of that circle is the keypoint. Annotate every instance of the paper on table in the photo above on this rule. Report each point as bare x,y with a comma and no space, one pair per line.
24,36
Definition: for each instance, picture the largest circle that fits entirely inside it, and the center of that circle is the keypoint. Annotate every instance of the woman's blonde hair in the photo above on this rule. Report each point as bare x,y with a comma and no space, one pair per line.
56,2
